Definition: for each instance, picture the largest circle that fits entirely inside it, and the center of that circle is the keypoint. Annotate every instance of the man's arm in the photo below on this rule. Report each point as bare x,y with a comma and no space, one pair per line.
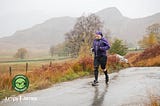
106,45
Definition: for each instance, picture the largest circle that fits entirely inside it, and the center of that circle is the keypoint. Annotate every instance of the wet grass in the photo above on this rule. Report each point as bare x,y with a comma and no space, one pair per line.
148,58
50,73
43,77
154,99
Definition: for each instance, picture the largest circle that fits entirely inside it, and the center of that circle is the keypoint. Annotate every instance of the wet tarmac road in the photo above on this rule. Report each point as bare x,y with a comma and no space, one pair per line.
129,87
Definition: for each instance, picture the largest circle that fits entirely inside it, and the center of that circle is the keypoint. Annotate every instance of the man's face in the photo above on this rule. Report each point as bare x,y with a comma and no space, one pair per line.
97,36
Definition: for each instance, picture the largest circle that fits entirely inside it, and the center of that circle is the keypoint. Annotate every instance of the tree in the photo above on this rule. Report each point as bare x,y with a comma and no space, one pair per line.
148,41
21,53
52,51
152,38
154,29
84,50
118,47
83,31
59,50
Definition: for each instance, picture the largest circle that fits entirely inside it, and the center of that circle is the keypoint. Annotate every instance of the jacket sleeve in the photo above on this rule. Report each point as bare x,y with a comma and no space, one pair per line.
106,45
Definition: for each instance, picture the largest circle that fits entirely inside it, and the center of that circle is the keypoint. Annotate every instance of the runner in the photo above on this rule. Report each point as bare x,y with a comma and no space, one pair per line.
100,46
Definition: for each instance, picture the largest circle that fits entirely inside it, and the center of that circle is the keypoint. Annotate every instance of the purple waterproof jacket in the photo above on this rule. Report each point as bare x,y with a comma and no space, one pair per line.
100,46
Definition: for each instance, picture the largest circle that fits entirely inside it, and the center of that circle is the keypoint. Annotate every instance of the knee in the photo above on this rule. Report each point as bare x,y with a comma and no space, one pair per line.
95,68
104,70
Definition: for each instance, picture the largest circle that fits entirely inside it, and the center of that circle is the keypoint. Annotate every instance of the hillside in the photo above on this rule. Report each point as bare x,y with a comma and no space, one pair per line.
39,37
51,32
149,57
131,30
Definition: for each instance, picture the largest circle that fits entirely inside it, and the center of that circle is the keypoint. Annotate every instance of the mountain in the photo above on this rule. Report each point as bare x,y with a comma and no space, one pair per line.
51,32
131,30
39,37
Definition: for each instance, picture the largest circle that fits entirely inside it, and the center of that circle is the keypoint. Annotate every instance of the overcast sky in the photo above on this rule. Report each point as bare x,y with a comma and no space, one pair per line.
21,14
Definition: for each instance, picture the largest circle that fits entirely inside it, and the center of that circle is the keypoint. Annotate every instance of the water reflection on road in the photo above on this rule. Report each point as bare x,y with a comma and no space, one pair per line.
99,96
129,87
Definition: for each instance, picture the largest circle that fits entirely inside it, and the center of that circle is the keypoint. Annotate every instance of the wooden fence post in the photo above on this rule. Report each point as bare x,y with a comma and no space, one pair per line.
26,67
50,64
10,71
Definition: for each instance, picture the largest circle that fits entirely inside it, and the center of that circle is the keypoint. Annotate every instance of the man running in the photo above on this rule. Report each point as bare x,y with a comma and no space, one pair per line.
100,46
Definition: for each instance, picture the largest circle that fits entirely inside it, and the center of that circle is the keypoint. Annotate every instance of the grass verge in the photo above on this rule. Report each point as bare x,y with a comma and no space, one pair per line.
52,73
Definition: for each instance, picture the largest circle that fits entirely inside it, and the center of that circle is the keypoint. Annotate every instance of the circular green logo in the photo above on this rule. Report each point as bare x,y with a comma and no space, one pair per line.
20,83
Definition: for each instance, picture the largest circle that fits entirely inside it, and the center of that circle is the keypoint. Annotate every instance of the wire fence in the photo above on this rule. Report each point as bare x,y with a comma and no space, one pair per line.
25,65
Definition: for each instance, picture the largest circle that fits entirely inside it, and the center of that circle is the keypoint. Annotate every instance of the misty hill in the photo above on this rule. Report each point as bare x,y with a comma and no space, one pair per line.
131,30
42,36
39,37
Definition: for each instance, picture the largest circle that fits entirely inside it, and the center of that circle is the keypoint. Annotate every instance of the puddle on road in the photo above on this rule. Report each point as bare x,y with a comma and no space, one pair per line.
153,76
128,88
99,95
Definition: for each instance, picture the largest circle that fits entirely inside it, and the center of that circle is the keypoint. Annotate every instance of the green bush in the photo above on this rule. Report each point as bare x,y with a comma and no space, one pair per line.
118,47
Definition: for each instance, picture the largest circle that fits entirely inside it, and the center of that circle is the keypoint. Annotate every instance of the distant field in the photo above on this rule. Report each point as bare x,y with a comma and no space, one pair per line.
20,65
6,57
10,57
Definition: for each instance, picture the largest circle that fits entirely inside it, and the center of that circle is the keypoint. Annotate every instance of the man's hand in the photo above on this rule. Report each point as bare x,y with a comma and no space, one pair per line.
92,50
101,48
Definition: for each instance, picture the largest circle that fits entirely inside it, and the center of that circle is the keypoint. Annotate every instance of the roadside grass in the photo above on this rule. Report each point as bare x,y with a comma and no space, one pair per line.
154,99
114,65
50,73
42,76
148,58
132,57
149,62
